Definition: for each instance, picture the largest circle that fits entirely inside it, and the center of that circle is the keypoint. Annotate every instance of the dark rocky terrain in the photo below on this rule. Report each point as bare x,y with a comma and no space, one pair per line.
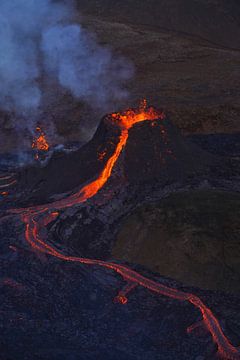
51,309
170,209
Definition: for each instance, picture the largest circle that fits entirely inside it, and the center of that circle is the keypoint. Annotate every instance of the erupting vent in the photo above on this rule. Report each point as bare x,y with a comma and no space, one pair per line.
40,143
130,117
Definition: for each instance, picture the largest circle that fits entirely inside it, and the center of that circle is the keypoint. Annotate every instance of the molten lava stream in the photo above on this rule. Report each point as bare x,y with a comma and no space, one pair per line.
46,215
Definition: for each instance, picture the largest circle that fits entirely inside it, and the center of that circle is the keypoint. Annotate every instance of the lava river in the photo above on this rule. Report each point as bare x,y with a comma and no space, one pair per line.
36,218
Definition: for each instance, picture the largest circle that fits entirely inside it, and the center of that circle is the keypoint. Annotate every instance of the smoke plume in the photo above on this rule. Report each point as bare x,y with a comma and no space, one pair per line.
40,40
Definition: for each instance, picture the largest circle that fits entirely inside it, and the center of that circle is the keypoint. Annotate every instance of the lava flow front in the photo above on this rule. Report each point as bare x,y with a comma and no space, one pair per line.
36,219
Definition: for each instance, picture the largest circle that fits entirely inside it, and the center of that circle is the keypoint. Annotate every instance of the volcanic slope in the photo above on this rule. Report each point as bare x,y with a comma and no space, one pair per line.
167,157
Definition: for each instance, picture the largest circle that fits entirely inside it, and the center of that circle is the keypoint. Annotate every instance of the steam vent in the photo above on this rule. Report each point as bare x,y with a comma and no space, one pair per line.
119,180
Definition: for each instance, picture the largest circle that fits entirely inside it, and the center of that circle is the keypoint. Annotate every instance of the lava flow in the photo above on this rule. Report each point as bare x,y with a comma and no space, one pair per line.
36,218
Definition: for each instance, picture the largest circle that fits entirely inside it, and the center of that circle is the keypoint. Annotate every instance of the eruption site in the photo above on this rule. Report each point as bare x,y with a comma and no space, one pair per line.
40,143
46,56
36,218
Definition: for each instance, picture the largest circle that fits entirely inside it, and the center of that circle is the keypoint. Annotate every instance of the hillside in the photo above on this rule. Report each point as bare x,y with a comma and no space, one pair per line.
213,20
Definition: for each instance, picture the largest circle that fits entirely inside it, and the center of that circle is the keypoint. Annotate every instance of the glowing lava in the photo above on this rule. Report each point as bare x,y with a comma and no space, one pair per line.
130,117
36,218
4,193
40,143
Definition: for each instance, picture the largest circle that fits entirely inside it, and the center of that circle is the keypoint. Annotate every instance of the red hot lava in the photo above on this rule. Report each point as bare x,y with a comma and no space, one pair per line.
36,218
40,143
4,193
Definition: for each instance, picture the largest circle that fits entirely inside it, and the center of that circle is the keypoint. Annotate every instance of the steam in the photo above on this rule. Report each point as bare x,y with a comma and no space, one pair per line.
88,70
40,42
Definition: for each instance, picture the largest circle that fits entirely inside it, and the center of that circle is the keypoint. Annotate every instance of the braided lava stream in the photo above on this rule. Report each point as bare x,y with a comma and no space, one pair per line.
36,218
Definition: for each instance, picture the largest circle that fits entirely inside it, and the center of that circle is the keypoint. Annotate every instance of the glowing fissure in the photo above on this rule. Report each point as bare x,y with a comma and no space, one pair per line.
46,215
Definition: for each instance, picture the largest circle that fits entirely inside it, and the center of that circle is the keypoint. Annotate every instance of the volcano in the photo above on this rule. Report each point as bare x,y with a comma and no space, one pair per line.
148,150
134,156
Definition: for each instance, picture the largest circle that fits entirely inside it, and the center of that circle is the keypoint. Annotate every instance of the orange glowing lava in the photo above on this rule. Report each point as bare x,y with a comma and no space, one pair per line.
132,116
40,142
4,193
36,218
126,120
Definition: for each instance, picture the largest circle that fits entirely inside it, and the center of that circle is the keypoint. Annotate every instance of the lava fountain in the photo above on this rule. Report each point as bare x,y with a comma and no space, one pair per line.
40,144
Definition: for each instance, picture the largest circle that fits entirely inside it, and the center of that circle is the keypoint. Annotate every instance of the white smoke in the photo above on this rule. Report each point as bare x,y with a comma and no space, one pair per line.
39,39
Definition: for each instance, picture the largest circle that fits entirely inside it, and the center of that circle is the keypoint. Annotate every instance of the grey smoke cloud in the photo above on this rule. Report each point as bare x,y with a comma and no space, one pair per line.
88,70
39,39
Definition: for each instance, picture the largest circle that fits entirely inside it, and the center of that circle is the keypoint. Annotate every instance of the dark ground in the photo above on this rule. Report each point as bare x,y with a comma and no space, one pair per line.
55,310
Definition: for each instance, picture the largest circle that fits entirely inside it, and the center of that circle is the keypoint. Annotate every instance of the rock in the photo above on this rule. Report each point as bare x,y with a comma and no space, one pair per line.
157,151
64,172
